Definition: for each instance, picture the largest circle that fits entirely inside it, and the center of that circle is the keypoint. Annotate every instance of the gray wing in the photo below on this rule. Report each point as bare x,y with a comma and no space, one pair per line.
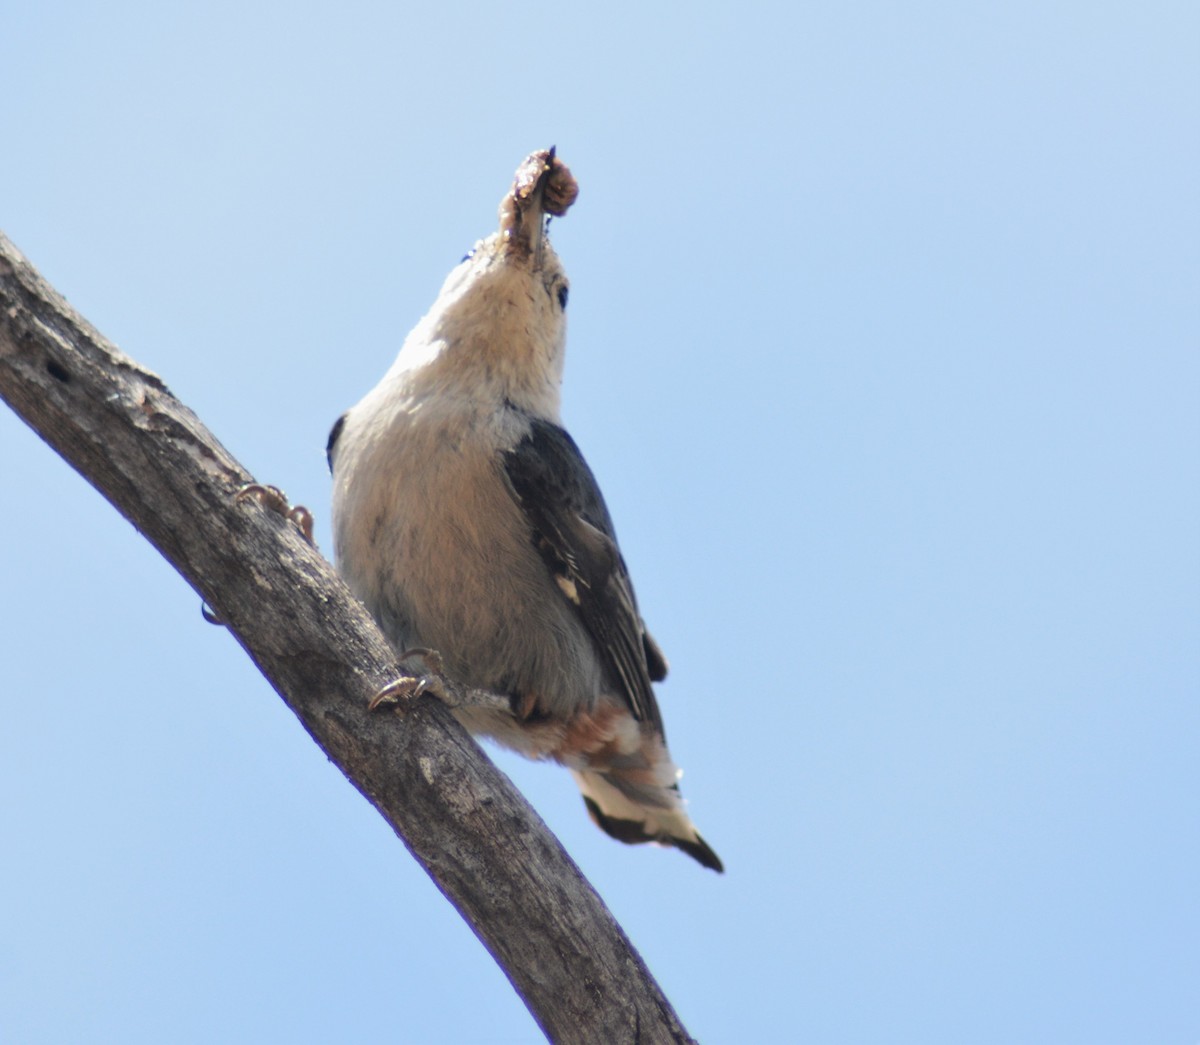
573,532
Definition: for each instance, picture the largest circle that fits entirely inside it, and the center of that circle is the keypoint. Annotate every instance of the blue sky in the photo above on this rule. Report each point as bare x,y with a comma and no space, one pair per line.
883,345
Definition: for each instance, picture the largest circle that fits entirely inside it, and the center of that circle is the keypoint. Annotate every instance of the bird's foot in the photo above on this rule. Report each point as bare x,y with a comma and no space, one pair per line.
275,500
401,692
405,689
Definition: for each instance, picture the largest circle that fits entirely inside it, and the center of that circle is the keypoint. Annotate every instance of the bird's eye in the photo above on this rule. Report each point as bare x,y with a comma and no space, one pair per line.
562,296
468,256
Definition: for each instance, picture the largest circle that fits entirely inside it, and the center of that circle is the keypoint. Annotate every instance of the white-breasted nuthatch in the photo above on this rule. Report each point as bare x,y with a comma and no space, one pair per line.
468,522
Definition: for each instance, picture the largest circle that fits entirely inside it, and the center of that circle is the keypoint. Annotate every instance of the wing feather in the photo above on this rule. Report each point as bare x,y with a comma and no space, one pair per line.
573,532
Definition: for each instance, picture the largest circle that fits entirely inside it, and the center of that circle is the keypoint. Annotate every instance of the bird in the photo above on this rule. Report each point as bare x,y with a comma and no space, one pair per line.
467,521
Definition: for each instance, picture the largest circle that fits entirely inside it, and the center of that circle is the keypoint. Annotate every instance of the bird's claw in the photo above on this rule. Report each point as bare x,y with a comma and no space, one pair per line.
275,500
407,688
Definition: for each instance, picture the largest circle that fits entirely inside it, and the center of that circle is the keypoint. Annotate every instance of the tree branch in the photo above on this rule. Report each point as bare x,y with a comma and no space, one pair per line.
488,852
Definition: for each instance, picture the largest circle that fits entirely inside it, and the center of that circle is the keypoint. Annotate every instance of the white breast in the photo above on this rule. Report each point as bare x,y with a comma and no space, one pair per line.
429,535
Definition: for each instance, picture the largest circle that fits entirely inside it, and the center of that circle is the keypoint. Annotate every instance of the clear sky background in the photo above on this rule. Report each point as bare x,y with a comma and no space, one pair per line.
885,347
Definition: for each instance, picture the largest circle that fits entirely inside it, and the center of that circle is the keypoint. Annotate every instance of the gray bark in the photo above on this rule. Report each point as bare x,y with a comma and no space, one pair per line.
488,852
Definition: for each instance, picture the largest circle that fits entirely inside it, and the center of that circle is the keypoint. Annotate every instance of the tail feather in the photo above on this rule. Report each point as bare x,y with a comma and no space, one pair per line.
627,814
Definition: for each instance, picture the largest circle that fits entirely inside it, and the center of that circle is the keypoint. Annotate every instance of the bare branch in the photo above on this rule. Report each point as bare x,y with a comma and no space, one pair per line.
120,427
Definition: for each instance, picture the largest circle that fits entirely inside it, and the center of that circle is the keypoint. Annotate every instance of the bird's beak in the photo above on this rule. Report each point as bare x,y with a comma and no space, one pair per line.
542,186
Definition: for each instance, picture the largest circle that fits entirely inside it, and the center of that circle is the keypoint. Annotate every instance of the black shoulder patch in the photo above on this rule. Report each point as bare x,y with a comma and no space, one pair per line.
334,432
548,463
